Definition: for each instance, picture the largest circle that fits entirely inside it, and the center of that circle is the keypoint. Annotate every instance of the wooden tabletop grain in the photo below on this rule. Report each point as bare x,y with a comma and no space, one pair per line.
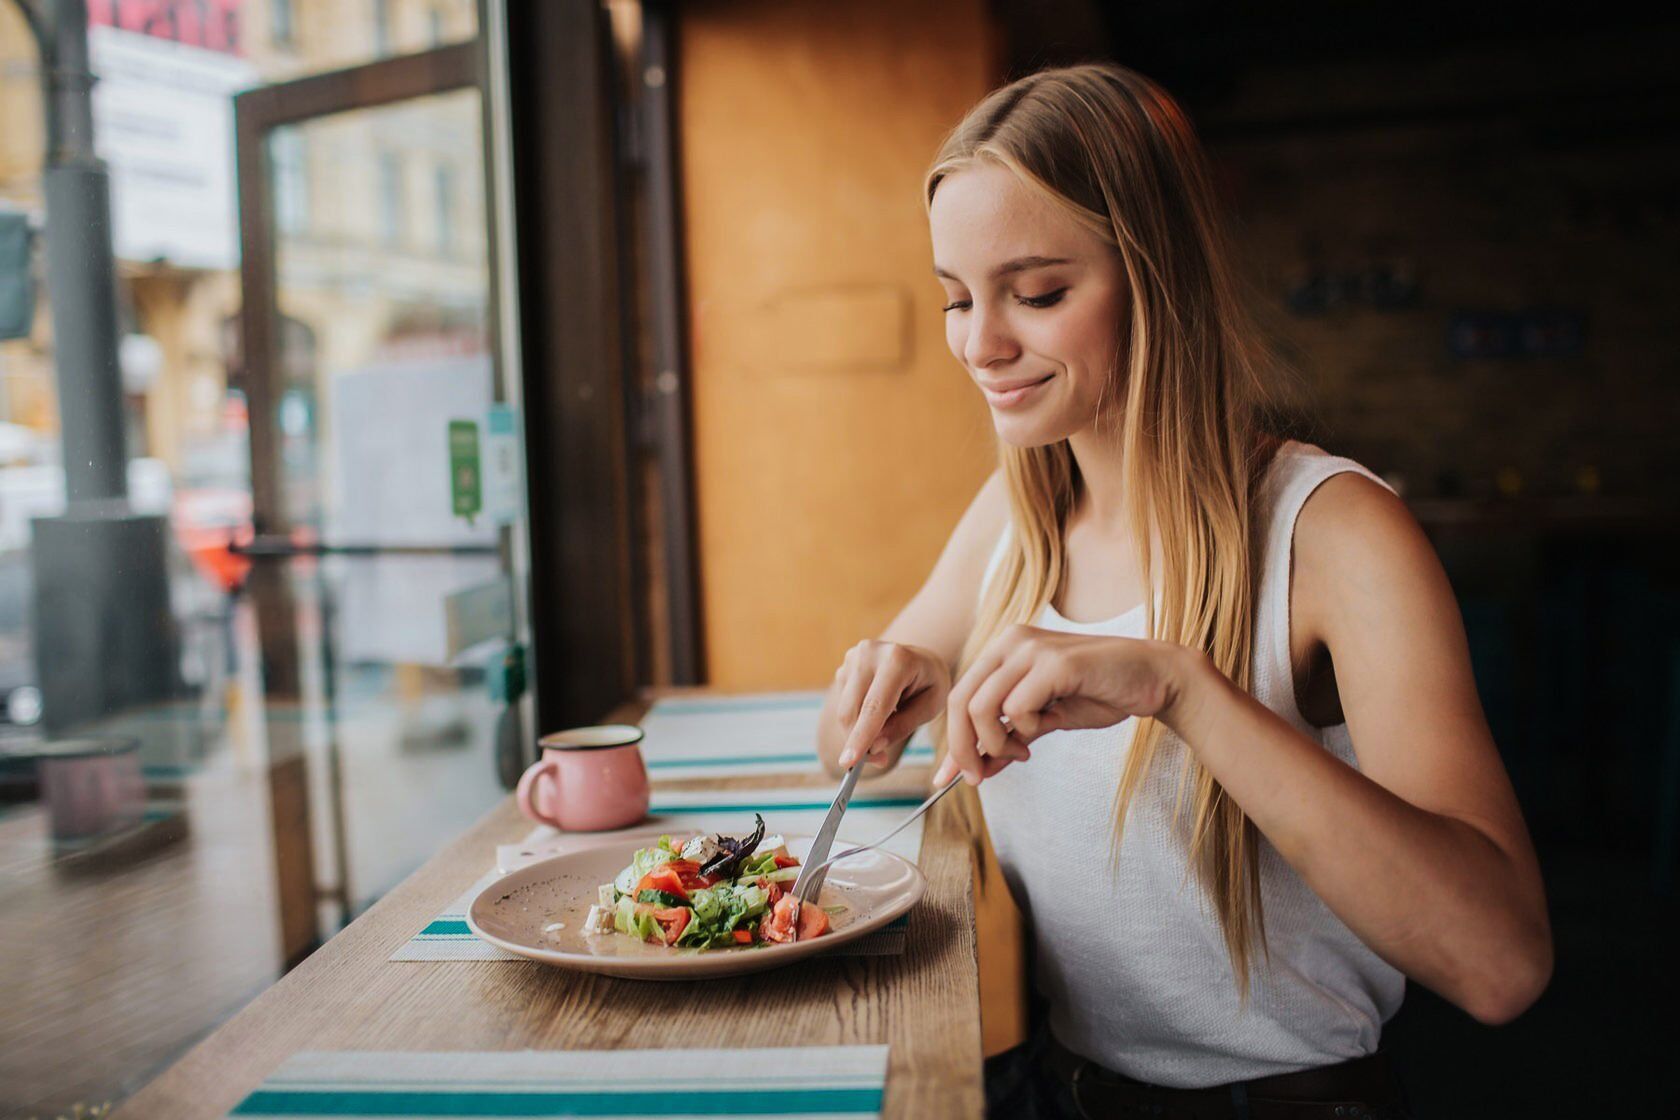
349,996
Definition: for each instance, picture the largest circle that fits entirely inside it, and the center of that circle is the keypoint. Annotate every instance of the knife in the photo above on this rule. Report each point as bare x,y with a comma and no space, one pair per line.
812,874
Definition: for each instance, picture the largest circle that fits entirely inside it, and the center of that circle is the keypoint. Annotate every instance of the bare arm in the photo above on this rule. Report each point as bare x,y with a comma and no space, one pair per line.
1422,851
932,628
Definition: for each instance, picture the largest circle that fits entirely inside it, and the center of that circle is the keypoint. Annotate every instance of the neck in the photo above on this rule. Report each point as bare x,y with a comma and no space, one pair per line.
1102,484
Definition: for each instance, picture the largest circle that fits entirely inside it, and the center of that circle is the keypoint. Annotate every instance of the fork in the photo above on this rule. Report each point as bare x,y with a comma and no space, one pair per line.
815,882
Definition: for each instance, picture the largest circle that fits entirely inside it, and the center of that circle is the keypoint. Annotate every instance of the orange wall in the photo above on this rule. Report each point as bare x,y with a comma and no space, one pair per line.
836,439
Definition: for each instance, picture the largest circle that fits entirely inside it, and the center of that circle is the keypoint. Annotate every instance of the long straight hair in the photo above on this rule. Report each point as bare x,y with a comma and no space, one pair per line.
1119,155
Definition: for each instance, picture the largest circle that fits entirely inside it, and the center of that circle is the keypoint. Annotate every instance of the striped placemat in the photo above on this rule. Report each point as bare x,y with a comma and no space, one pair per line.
805,1082
792,811
762,733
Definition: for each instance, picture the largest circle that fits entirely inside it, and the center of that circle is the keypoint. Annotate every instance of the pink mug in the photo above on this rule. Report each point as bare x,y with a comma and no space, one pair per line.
91,786
589,779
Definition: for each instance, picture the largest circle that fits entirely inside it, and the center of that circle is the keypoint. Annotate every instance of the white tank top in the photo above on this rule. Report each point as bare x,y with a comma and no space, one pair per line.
1130,956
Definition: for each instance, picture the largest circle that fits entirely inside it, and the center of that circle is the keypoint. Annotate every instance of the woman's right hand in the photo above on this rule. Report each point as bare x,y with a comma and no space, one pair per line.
883,691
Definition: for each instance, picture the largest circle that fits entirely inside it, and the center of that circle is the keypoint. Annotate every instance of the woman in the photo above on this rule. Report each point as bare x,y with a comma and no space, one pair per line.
1239,809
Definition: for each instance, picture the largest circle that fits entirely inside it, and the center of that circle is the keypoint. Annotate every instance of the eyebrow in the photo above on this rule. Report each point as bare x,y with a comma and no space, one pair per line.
1019,264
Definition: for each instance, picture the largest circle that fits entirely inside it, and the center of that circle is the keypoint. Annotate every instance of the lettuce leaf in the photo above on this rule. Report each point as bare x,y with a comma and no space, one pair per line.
719,910
659,898
645,860
636,921
761,864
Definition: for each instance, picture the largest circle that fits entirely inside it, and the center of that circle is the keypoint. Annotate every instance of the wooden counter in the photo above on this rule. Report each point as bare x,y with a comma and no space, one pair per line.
348,996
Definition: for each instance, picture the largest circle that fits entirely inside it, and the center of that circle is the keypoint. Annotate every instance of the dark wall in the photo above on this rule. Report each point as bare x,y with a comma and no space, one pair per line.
1461,225
1460,221
1468,256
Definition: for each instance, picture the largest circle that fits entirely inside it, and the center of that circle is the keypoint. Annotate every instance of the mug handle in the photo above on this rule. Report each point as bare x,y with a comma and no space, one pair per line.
526,794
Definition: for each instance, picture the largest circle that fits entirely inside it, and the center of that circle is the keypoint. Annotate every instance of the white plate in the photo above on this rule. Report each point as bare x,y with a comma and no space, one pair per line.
512,913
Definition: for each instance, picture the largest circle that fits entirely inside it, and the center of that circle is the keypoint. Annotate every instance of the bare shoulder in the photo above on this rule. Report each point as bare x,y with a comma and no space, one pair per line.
1348,510
988,513
1359,550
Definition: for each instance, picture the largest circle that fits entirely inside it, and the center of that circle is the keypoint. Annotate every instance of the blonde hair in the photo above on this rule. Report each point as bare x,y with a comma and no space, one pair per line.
1119,155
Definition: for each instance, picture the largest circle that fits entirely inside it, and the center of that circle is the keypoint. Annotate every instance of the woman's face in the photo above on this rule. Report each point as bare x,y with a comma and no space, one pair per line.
1035,303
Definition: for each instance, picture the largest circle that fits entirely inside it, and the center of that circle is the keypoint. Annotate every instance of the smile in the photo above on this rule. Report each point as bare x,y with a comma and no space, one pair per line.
1009,394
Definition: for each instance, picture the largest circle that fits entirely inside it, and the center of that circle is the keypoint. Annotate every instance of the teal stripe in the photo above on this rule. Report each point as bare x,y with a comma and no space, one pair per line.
748,760
378,1102
789,806
439,928
705,707
732,760
305,1080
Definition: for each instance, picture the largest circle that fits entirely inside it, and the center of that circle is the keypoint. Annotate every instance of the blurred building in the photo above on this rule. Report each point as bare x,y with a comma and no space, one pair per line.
164,125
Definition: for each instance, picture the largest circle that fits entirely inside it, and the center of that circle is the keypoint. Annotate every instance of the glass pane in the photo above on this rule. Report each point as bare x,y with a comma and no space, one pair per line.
146,754
382,293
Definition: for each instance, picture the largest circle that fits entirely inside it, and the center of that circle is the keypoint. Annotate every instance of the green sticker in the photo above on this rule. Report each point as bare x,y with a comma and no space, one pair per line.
466,487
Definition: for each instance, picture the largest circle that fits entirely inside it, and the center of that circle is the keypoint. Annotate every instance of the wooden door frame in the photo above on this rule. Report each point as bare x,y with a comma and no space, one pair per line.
666,402
578,450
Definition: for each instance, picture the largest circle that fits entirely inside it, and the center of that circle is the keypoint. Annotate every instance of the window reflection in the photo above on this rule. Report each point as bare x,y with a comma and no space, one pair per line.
139,829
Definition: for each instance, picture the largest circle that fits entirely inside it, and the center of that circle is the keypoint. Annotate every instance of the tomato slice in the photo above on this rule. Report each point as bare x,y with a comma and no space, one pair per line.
778,924
663,878
688,871
744,936
786,861
813,921
675,920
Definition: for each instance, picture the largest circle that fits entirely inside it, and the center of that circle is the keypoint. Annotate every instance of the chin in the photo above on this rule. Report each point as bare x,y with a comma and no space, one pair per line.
1031,431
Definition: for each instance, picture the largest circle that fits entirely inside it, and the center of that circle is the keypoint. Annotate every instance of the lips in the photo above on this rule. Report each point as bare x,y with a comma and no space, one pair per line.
1018,383
1006,394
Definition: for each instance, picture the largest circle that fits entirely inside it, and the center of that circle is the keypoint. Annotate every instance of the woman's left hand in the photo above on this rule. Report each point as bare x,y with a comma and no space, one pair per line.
1047,680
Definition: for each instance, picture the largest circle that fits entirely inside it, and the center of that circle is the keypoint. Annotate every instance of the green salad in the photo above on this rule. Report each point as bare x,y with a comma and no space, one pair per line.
707,892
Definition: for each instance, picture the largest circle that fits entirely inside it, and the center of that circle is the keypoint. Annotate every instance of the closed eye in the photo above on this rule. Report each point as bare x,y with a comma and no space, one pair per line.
1048,299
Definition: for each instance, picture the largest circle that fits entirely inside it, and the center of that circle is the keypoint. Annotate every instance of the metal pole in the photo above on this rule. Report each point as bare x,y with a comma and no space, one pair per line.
81,272
104,637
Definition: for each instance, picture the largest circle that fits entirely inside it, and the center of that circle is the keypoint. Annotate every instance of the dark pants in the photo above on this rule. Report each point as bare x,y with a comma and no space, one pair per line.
1021,1085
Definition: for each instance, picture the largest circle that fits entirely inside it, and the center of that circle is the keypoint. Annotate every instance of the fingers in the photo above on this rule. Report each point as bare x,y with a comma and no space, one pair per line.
1029,704
974,727
989,767
854,680
878,705
914,709
985,708
961,742
885,681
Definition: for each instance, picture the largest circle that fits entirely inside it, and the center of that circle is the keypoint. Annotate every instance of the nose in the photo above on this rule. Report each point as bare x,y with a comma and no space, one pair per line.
989,341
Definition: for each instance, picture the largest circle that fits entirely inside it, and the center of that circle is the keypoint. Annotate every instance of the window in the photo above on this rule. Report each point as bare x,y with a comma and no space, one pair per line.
444,196
282,28
381,27
390,198
291,181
